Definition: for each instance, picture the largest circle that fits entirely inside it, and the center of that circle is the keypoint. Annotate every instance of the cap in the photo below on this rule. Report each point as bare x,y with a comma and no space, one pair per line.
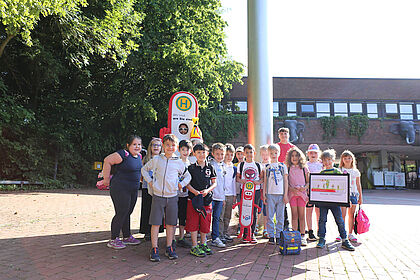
313,148
240,149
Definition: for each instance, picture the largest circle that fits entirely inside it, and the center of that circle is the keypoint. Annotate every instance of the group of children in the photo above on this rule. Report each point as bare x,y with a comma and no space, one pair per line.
197,192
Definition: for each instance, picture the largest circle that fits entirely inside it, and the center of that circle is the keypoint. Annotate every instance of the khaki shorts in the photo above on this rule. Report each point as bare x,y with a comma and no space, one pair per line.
164,207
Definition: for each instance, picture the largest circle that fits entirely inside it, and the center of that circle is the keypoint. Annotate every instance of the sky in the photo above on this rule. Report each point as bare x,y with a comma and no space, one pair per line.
333,38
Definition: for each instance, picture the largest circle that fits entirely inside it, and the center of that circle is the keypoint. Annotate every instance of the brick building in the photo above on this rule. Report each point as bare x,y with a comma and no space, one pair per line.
390,147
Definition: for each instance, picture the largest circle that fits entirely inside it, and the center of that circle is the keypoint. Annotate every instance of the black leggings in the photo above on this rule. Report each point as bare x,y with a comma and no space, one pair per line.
124,201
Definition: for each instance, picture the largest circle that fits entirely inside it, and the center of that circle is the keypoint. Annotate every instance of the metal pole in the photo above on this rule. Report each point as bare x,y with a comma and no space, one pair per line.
260,82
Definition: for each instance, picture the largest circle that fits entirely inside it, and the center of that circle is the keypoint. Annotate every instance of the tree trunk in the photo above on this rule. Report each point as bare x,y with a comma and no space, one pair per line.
4,43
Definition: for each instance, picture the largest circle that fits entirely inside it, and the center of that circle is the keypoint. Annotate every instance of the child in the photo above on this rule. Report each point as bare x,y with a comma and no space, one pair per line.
167,169
285,145
298,184
262,216
314,166
328,158
348,165
154,149
185,148
230,193
251,170
202,183
275,193
239,157
218,151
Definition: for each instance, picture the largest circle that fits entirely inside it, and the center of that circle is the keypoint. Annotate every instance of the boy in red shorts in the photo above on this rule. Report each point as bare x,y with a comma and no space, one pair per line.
203,181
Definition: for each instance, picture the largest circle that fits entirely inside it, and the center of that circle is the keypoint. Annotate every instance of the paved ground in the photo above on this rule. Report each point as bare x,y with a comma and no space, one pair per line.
62,235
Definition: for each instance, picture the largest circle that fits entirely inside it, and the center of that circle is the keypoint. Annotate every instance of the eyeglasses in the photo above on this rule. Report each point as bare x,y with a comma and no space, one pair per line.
183,129
156,145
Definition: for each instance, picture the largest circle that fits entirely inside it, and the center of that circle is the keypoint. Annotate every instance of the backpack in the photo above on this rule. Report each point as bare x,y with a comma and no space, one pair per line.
361,222
290,242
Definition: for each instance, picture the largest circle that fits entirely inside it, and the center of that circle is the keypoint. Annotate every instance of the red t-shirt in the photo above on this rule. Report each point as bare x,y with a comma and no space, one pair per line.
283,150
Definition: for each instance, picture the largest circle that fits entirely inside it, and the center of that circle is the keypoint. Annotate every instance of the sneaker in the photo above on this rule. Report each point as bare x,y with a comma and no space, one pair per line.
131,241
147,237
265,235
338,239
303,241
154,255
206,249
253,240
228,238
271,240
352,238
245,240
223,239
183,243
116,244
321,243
198,252
218,243
170,253
347,245
311,235
188,235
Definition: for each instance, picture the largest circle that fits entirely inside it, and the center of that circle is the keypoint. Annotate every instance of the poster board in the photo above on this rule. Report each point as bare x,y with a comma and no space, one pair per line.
329,189
389,178
378,178
399,179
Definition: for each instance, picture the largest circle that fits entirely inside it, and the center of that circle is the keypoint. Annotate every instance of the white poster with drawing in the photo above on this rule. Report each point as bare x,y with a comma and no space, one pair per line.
329,189
399,179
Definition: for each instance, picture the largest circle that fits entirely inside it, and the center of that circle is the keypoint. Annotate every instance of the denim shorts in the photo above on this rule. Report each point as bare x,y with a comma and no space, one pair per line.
354,198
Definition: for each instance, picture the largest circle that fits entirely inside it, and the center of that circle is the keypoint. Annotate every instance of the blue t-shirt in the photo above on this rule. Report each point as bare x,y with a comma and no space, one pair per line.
128,172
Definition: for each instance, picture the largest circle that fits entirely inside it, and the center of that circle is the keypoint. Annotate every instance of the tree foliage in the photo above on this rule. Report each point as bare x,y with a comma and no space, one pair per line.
101,71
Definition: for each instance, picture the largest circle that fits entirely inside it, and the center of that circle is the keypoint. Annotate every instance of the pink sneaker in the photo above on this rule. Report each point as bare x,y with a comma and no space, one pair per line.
116,244
352,238
338,239
130,241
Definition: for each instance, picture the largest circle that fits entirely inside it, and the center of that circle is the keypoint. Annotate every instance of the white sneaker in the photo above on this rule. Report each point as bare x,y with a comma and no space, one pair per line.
303,241
352,238
218,243
338,239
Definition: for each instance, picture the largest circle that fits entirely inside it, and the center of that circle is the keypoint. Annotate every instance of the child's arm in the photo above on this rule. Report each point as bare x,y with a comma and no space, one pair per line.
145,172
263,192
286,189
110,160
261,180
359,188
212,187
187,177
239,180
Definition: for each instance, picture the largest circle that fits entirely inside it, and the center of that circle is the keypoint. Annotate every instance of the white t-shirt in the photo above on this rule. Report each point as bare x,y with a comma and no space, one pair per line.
314,167
275,172
250,172
354,173
180,192
230,180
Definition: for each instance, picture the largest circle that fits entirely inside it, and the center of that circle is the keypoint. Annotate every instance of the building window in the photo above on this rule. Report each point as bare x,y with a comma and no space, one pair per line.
291,108
241,106
391,111
418,111
372,110
322,110
307,109
356,109
340,109
406,111
275,109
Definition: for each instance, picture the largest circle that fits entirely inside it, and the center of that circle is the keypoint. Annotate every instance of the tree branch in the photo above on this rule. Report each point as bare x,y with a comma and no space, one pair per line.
4,43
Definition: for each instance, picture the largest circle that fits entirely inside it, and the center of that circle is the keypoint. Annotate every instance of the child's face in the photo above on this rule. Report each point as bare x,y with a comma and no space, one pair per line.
265,156
183,129
284,136
135,147
295,158
328,163
218,155
200,155
249,154
184,151
240,156
228,156
274,155
347,160
169,147
313,156
156,147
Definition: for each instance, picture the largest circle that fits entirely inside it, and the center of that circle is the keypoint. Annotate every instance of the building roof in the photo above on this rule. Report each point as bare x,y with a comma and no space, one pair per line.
339,89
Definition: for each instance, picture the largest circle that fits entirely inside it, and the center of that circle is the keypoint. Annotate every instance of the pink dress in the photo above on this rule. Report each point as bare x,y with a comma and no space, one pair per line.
297,178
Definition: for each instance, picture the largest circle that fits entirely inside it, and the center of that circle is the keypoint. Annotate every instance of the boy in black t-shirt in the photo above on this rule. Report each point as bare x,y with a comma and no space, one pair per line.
203,181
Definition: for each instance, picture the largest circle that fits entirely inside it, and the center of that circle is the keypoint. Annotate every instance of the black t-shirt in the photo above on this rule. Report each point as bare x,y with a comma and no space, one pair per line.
200,177
128,172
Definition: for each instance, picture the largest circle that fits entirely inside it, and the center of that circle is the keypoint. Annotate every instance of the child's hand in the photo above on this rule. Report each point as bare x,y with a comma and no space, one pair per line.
205,192
285,199
360,200
106,182
179,186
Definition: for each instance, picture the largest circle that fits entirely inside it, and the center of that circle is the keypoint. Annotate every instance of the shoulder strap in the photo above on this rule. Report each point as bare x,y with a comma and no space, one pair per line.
241,167
304,175
235,169
259,168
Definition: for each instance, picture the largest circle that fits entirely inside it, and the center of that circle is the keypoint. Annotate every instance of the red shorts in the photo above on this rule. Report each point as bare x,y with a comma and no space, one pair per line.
195,221
297,201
